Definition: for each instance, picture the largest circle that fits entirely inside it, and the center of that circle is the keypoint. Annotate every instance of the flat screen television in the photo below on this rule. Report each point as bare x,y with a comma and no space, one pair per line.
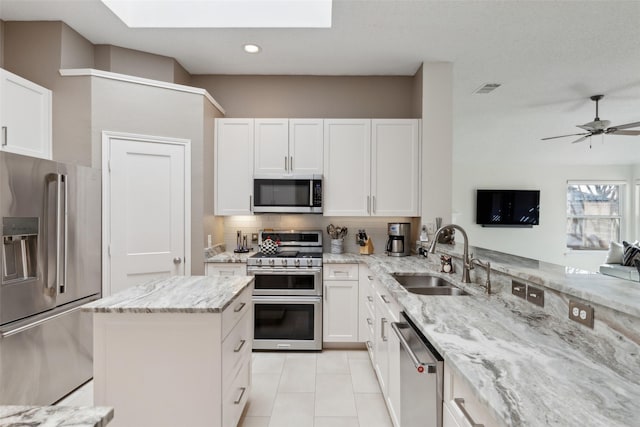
508,208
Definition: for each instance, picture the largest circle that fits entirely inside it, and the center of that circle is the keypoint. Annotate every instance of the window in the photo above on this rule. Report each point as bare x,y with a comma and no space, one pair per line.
594,215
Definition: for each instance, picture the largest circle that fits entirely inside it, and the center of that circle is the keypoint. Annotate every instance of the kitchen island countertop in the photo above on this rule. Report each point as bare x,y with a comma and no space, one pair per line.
176,294
55,416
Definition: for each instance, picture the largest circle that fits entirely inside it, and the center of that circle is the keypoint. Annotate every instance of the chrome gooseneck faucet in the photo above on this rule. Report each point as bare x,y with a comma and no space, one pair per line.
466,260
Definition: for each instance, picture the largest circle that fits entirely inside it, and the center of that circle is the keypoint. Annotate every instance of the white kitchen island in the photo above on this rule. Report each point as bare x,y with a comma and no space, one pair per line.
175,352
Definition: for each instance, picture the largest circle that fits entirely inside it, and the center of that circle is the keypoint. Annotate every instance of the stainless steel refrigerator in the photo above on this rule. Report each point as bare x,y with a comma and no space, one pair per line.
50,265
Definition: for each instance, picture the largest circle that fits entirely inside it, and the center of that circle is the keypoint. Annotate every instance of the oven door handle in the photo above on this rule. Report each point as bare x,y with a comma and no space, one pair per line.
289,299
270,271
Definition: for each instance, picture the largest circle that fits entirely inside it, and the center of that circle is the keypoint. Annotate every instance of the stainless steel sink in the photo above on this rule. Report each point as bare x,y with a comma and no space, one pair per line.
427,284
421,280
440,290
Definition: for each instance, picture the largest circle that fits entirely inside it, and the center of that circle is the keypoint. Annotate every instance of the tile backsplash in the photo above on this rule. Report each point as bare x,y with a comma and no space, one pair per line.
375,227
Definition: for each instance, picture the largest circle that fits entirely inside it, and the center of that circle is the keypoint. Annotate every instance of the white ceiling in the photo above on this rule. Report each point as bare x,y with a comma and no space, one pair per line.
550,56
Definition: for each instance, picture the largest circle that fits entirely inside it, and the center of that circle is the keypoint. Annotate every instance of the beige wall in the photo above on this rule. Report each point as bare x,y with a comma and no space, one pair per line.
76,51
437,141
311,96
141,64
1,44
132,108
416,106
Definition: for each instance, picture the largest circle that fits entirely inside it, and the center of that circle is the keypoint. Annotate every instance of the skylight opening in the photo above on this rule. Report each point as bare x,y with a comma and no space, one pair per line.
222,13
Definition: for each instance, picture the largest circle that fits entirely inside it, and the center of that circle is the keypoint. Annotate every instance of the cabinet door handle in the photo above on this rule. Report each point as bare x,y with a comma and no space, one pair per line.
460,404
385,299
368,204
291,163
239,347
369,321
239,307
370,277
250,203
374,204
382,334
4,136
286,167
239,399
370,298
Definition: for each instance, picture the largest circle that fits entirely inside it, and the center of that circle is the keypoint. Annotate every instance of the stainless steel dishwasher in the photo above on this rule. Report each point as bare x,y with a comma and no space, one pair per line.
421,377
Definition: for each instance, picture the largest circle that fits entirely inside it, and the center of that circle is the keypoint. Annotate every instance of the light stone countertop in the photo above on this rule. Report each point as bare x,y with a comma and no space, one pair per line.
55,416
527,366
176,294
229,257
617,294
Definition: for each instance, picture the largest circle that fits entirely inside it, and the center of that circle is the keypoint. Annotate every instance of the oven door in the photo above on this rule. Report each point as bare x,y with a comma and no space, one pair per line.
301,281
287,323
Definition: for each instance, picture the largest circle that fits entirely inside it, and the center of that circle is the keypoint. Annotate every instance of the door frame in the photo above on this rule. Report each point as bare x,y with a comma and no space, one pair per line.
106,202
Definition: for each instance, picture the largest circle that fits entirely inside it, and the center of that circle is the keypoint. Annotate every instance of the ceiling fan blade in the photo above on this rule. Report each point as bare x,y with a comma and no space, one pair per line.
564,136
627,126
625,132
581,139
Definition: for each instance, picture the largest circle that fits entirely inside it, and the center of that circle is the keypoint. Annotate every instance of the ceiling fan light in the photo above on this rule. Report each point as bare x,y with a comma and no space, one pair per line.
251,48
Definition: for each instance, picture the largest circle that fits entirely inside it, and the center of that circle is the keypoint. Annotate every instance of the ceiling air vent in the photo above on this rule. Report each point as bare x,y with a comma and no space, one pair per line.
487,88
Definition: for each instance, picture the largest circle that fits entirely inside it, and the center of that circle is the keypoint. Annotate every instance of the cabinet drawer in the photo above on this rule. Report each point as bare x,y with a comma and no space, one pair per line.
236,349
235,397
235,310
340,272
222,269
462,402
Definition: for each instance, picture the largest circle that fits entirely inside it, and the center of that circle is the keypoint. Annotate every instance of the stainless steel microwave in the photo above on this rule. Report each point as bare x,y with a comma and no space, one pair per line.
299,194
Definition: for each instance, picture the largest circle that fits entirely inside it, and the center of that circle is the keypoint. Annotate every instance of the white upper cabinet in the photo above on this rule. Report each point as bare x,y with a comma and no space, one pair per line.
347,145
233,166
288,147
372,167
25,116
305,146
395,167
271,146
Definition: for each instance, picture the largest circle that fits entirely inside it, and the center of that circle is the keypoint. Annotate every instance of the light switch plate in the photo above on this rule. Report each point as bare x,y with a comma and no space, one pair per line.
581,313
519,289
535,296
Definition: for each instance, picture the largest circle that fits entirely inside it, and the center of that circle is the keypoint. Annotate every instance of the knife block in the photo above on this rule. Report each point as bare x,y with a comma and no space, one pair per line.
367,249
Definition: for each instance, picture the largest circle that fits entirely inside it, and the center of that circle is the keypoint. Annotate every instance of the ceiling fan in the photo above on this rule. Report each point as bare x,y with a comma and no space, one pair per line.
600,127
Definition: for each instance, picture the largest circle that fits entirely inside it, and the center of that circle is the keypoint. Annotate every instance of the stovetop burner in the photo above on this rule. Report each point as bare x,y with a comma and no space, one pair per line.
296,249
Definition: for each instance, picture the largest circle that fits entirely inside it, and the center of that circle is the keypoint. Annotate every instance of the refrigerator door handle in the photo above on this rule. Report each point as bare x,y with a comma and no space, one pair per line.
61,235
65,254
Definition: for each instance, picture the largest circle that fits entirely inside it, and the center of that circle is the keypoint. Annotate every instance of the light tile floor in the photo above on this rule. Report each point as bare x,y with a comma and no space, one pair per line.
334,388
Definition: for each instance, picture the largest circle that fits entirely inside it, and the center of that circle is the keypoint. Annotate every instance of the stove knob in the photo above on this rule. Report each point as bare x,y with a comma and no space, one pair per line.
297,263
272,262
309,262
284,262
259,262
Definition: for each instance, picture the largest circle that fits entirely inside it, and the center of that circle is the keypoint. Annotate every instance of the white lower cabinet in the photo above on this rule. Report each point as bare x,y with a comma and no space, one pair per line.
225,269
190,369
340,306
386,349
461,408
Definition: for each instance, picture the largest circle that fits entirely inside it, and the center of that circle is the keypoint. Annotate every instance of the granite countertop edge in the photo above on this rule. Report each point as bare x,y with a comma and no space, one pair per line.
60,416
176,294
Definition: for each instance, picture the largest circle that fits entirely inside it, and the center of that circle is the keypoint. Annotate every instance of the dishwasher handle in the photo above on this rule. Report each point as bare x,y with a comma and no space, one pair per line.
421,367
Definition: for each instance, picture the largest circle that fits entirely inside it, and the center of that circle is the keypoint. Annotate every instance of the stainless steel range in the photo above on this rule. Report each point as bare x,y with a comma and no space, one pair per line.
287,296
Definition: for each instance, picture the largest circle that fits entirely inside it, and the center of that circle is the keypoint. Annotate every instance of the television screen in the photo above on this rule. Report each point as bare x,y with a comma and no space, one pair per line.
508,207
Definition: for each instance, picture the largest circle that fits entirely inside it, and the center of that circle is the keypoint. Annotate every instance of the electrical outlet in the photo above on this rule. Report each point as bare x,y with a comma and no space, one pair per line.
519,289
535,296
581,313
254,237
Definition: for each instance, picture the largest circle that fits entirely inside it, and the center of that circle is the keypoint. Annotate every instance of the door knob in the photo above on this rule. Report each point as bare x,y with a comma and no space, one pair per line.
177,260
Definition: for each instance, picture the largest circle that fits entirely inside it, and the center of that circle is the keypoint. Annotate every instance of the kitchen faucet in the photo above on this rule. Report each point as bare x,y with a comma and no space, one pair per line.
466,261
487,266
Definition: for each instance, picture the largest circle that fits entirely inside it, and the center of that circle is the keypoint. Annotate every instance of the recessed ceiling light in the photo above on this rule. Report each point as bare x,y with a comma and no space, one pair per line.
251,48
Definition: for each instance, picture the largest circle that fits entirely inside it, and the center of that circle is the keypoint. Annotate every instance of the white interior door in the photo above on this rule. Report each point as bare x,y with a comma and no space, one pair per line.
147,208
